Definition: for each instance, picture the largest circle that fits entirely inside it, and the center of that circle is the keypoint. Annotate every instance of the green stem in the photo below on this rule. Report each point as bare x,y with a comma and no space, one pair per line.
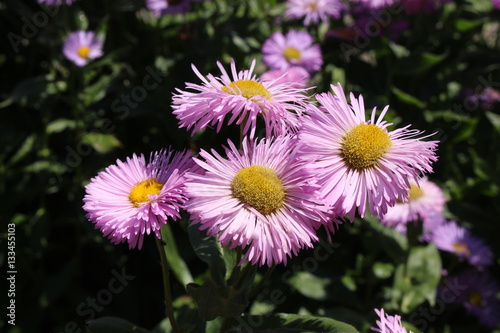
166,285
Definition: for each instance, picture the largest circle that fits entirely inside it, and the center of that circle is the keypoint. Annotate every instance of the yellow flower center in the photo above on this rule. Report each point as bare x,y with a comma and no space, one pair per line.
291,53
364,145
475,298
247,89
83,51
461,248
141,191
415,192
313,5
260,188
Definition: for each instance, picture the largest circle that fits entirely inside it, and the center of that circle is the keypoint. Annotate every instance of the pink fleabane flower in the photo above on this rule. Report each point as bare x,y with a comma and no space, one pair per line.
242,98
451,237
296,77
260,199
295,49
375,4
313,11
388,323
132,198
423,198
82,46
360,162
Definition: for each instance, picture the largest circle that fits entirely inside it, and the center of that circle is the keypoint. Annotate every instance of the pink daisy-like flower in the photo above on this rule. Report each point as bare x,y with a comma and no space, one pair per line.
313,11
295,49
388,323
82,46
422,199
476,291
360,162
451,237
375,4
163,7
296,77
260,199
132,198
242,97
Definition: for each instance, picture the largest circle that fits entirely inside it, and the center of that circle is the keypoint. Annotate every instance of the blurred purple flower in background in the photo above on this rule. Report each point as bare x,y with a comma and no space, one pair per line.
82,46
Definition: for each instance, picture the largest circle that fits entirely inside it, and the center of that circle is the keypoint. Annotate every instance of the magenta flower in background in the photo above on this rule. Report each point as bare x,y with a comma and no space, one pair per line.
360,162
295,49
423,198
412,7
82,46
476,291
240,98
388,323
431,222
296,77
496,3
375,4
260,199
131,199
163,7
451,237
56,2
313,11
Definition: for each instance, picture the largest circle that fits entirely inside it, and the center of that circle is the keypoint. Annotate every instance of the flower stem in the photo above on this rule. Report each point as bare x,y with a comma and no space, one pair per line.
166,285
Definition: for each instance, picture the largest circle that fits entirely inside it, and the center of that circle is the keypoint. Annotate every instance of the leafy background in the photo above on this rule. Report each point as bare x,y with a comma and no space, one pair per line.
61,124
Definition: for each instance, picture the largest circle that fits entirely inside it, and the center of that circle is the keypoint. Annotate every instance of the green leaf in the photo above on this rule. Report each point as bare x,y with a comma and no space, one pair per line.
111,325
393,243
284,322
310,285
60,125
176,263
102,143
494,119
210,252
464,25
418,63
216,301
417,281
382,270
407,98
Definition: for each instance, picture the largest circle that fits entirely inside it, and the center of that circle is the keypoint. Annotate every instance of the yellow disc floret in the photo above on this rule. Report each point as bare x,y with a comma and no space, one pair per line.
291,53
364,145
475,298
415,192
461,248
140,192
260,188
247,89
83,52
